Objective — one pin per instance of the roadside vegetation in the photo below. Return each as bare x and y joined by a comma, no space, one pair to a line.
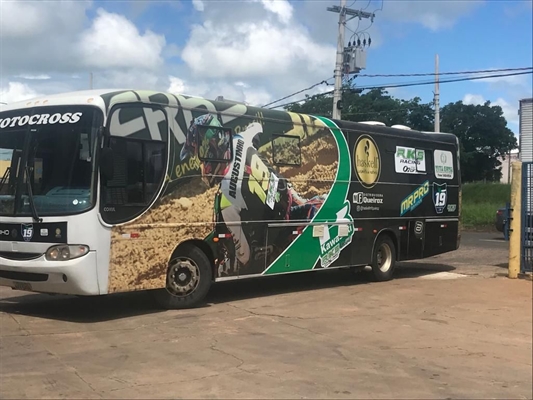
480,203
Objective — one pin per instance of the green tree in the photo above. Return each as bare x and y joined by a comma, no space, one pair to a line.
374,105
483,135
482,129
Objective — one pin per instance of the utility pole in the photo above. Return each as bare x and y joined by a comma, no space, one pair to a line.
343,11
91,80
436,95
337,94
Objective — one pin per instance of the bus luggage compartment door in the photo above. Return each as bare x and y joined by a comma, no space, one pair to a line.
415,246
440,236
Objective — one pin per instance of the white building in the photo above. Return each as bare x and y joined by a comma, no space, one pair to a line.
525,113
525,140
507,172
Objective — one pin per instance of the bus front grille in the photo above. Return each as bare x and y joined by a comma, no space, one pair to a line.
24,276
16,255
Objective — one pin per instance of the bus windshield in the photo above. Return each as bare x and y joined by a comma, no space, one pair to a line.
47,160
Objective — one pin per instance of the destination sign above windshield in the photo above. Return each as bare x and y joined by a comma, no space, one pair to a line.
41,119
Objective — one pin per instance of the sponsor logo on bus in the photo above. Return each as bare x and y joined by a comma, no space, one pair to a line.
336,237
27,231
419,229
408,160
414,199
440,197
367,201
367,161
236,166
443,164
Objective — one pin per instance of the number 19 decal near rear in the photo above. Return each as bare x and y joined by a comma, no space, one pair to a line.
440,197
192,191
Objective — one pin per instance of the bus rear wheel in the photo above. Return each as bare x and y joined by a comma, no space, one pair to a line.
383,259
189,278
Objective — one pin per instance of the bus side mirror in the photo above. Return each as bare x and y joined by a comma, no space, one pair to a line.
106,163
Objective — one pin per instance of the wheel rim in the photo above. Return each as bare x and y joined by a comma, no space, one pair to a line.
183,276
384,257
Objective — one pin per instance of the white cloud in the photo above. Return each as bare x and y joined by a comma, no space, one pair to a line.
23,20
282,8
508,90
515,9
128,78
510,112
171,50
505,81
16,91
253,50
198,5
434,15
38,37
177,85
33,77
238,91
475,99
115,42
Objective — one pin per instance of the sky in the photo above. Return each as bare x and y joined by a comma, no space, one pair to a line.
258,51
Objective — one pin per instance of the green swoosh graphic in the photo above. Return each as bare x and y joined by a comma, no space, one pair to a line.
304,252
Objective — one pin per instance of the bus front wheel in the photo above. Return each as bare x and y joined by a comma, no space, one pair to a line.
189,277
384,258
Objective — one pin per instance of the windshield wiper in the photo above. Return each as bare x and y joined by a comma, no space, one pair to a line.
30,197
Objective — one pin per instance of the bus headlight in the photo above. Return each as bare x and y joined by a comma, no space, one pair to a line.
65,252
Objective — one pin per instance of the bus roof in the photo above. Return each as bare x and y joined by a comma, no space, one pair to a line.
77,97
94,96
97,97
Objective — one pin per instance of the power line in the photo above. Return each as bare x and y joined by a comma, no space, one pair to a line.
406,75
369,1
471,78
298,92
378,9
386,86
446,73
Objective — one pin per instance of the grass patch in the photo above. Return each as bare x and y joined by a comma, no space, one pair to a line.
480,202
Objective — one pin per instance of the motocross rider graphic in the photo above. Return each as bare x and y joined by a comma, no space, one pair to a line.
250,190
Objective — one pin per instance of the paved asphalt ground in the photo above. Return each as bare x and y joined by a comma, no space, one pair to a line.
448,327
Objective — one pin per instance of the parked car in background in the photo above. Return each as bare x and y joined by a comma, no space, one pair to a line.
500,219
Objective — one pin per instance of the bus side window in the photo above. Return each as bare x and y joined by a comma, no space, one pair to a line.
286,150
138,143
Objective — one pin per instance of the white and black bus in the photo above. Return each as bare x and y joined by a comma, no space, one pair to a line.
121,190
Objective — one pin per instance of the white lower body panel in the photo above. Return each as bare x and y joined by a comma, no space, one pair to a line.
78,276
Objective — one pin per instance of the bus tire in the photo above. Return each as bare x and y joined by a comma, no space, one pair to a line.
189,278
383,259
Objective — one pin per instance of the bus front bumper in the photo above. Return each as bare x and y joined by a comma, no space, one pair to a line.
78,276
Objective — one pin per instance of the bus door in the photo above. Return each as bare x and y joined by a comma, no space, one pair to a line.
136,157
